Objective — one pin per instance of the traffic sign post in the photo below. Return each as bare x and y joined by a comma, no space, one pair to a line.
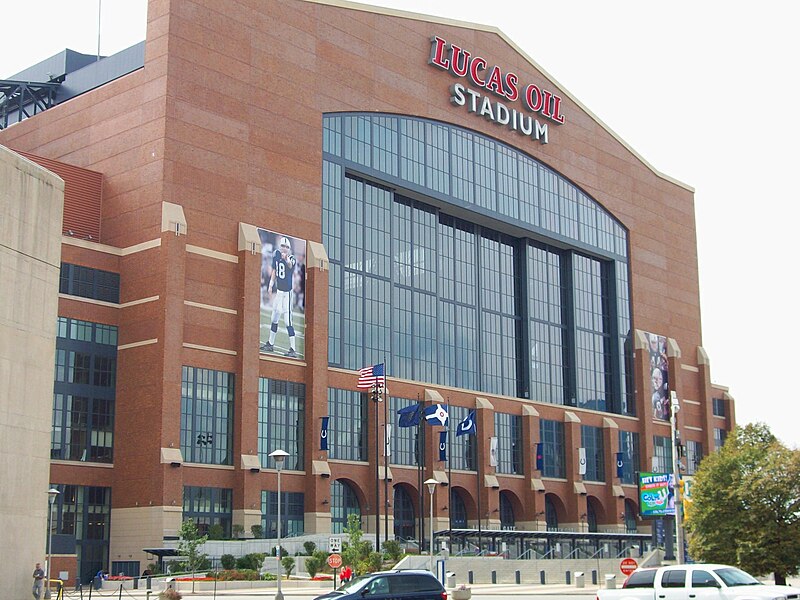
335,561
628,566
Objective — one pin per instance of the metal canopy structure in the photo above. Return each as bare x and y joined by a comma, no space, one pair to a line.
23,99
545,544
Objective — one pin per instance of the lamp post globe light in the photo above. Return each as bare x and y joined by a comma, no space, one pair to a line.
279,456
431,483
52,494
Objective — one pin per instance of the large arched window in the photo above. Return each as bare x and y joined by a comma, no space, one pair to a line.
458,510
344,502
403,515
506,512
550,514
469,264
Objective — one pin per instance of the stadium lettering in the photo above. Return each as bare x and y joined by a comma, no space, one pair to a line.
498,112
463,63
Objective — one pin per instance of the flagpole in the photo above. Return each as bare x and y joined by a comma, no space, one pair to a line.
450,481
386,443
480,535
375,397
421,460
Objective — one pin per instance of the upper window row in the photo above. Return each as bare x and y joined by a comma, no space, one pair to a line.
86,282
455,164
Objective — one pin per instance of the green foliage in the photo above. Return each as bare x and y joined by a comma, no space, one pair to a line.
746,505
216,532
257,531
393,550
374,562
310,548
287,562
189,546
154,570
237,530
252,561
238,575
356,551
228,561
314,565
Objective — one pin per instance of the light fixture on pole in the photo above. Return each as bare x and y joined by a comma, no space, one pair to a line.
674,407
431,483
52,494
279,456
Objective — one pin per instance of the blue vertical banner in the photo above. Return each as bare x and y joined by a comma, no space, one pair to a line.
323,434
620,464
539,456
442,446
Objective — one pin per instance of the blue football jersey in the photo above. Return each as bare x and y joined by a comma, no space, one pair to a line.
283,270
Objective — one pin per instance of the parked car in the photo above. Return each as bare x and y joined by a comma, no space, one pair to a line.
696,582
397,585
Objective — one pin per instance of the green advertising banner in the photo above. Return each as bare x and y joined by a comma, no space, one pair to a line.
656,494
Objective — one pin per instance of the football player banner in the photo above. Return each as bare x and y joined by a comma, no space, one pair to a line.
659,375
283,290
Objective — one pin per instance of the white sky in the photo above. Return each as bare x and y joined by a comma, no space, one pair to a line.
707,92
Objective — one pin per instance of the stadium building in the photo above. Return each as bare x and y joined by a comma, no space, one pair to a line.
261,201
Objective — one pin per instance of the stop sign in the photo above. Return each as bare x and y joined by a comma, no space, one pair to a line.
628,566
335,561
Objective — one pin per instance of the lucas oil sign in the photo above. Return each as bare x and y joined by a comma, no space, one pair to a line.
496,94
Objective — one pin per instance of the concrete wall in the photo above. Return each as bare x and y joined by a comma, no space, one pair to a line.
31,209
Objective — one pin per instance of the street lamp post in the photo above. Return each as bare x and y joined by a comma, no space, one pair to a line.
279,456
674,407
52,494
431,483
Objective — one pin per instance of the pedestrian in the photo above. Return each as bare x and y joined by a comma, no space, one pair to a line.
38,581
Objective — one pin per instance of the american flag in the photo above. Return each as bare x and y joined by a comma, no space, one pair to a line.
369,376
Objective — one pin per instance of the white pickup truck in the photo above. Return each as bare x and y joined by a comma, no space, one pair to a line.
696,582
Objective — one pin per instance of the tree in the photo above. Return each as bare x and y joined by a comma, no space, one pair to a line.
189,546
287,562
746,505
356,550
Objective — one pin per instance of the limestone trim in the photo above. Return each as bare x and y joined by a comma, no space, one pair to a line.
209,349
137,344
208,253
222,309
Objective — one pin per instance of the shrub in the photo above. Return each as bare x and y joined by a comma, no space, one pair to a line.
228,561
287,562
257,531
313,566
393,550
252,561
216,532
237,531
170,595
309,548
239,575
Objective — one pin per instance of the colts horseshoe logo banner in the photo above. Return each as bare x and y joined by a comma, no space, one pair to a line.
323,434
442,446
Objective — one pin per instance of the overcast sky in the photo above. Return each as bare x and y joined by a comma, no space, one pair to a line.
707,92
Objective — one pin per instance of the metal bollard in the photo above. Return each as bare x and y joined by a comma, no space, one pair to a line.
542,577
494,576
469,577
517,577
569,577
594,577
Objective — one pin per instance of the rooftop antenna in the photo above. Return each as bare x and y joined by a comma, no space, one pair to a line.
99,10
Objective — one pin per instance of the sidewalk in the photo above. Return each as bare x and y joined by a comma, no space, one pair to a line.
478,590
